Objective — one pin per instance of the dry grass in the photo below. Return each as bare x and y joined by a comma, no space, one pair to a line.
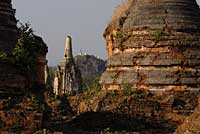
121,10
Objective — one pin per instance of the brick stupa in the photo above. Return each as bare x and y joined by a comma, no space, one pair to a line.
154,45
11,82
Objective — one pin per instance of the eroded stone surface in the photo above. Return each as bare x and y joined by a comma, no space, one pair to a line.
11,81
155,44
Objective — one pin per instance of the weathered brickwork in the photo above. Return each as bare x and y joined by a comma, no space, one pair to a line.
155,46
11,82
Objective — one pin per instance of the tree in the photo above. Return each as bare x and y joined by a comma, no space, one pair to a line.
29,46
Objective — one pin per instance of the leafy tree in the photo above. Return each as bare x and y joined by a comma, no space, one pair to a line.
28,47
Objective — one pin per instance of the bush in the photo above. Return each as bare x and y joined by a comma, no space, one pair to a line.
157,36
139,93
26,51
107,131
44,131
118,36
127,89
96,86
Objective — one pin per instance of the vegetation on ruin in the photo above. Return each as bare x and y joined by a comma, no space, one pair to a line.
118,36
127,89
37,104
157,35
27,49
43,131
107,131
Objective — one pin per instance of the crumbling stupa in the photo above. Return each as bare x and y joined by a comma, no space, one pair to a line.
67,76
11,82
154,45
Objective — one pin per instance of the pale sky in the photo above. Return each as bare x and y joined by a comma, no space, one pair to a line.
84,20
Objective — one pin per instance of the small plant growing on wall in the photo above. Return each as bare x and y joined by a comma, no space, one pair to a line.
3,56
118,36
157,35
139,93
44,131
127,89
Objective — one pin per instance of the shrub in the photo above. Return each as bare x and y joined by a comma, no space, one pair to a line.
139,93
26,51
118,36
96,85
44,131
3,56
127,89
107,131
37,104
157,36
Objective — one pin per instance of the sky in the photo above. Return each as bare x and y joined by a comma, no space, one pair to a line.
84,20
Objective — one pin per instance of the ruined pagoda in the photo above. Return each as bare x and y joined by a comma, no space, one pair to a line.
11,82
67,76
154,45
8,29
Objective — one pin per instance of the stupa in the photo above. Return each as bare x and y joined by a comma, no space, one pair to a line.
11,82
154,45
68,78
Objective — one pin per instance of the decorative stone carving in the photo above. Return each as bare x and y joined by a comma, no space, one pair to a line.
67,76
155,46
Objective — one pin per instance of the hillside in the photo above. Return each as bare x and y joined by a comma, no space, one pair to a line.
90,66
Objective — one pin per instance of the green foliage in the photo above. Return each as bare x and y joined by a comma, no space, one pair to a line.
54,98
127,89
44,131
93,85
37,104
3,56
118,36
157,36
107,131
96,85
88,102
28,47
139,93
